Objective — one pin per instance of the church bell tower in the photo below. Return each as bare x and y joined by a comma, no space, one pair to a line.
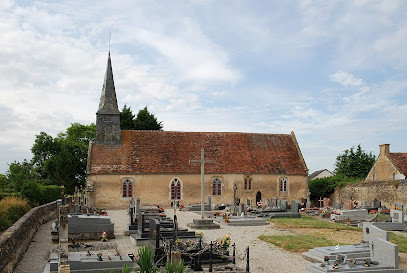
108,115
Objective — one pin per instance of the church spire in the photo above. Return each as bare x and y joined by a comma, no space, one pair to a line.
108,115
108,100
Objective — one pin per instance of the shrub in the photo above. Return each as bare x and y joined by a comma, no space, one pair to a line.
33,192
12,209
51,193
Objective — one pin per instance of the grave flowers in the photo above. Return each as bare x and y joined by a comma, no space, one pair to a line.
221,245
104,237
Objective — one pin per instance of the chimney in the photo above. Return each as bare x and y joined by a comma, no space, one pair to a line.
385,149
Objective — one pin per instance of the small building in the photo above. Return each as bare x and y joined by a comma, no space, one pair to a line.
155,165
320,174
388,166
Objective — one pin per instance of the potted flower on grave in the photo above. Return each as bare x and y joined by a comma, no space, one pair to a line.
103,238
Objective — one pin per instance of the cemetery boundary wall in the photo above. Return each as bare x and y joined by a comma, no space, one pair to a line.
16,239
388,192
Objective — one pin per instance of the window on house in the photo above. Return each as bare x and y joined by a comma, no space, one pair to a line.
248,182
217,186
283,184
175,189
127,188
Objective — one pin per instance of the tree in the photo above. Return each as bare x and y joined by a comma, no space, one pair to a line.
127,119
354,163
3,182
147,121
62,160
20,173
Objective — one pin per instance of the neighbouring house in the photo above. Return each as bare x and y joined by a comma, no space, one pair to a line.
155,165
320,174
388,166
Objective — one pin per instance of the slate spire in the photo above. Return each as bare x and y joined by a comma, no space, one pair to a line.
108,100
108,115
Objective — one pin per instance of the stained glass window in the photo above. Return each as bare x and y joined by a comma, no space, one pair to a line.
127,188
217,186
283,184
175,189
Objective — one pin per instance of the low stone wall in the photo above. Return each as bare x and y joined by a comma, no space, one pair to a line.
16,239
387,192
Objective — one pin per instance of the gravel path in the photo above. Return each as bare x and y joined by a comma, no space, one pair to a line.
37,254
264,257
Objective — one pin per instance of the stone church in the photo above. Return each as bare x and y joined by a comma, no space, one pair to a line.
155,165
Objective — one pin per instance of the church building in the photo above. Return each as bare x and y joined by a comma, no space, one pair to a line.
155,165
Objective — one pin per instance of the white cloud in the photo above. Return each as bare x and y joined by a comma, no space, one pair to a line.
346,79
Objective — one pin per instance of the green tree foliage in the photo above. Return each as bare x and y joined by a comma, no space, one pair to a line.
62,160
3,182
144,120
147,121
40,194
354,163
20,173
323,187
127,119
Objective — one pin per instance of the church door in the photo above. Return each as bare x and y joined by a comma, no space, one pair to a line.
258,197
175,189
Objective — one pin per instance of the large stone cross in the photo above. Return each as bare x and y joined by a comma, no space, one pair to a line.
202,162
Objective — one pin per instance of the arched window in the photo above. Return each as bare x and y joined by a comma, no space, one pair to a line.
127,188
248,183
217,186
175,189
283,184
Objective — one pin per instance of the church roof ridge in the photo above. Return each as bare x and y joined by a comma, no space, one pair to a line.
207,132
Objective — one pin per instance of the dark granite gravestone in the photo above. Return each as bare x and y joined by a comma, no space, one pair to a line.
377,204
295,206
284,205
154,234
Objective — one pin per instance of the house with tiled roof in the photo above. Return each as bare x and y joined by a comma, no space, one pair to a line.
155,165
388,166
320,174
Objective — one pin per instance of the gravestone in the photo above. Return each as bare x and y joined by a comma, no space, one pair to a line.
241,208
351,215
337,205
266,202
154,234
284,205
368,204
278,204
295,206
326,202
377,204
209,202
273,202
348,204
397,216
383,251
399,206
137,206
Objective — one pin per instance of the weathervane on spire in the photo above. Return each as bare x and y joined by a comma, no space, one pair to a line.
110,36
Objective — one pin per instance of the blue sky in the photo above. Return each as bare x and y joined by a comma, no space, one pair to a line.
334,72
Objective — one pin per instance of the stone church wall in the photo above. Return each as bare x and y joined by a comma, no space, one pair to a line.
388,192
155,188
16,239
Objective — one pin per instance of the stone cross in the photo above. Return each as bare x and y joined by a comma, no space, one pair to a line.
202,162
234,207
320,201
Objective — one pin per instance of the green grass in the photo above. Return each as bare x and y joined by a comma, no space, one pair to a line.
310,222
382,216
297,243
399,240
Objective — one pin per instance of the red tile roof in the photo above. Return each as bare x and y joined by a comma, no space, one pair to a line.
400,160
170,152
